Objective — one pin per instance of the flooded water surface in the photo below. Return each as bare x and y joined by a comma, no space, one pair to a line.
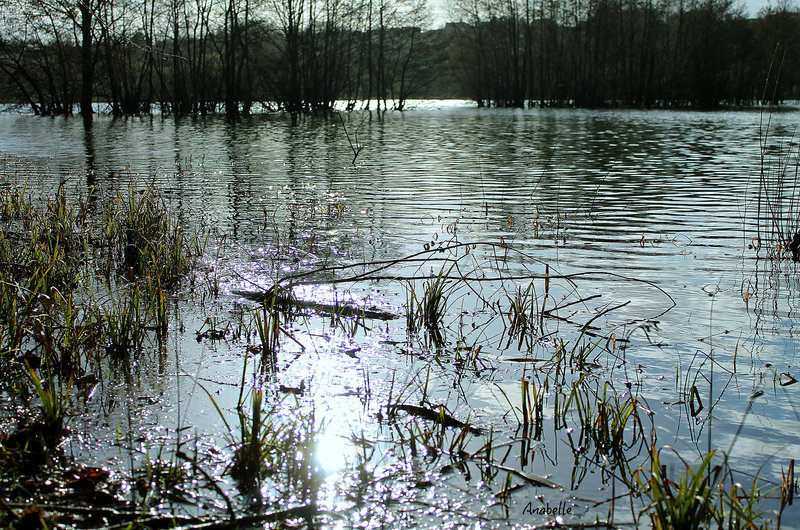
499,315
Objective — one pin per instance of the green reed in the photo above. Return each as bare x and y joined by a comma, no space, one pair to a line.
521,318
54,401
149,239
707,495
686,503
427,310
123,320
76,276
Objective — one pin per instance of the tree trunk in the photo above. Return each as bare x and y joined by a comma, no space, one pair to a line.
87,60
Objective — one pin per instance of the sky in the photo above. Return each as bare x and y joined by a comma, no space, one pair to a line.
753,6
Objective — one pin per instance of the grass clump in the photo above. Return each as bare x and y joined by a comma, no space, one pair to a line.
521,320
263,445
78,287
686,503
427,310
123,322
147,240
54,398
253,448
273,309
84,286
709,495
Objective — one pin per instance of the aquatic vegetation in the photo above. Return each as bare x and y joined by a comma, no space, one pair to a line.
707,495
15,203
686,503
532,409
266,444
148,240
159,479
156,305
55,309
54,398
123,321
267,320
522,317
69,332
428,310
16,306
253,450
777,203
611,429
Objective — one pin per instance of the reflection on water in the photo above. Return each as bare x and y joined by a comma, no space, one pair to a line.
653,210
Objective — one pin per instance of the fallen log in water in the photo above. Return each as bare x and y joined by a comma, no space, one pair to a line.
439,417
343,309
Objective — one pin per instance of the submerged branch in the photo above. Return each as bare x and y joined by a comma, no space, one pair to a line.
440,417
377,272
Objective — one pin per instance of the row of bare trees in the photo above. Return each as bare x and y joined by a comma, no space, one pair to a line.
626,52
201,56
198,56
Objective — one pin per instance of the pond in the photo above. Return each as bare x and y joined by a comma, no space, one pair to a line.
603,293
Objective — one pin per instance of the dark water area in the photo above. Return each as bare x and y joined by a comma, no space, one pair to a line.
652,213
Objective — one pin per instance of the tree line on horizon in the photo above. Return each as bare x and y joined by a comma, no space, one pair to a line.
641,53
232,56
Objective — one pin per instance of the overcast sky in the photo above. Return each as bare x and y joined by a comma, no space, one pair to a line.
753,6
